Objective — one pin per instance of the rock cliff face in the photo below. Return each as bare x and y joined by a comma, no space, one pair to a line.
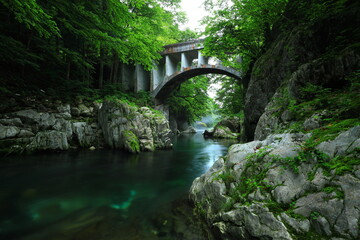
325,72
66,126
303,183
56,129
308,54
274,189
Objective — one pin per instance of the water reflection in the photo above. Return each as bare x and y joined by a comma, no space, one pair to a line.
38,192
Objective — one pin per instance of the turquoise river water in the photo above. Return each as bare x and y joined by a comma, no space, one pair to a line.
102,194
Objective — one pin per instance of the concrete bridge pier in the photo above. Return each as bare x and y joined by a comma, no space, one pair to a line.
202,60
142,80
157,75
170,66
186,61
127,76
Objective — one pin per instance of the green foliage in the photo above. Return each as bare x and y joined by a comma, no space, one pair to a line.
190,101
314,215
227,177
341,164
60,42
33,16
240,28
229,96
336,190
199,209
253,177
132,142
314,11
343,103
330,131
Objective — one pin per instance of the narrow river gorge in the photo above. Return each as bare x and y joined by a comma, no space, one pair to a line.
103,194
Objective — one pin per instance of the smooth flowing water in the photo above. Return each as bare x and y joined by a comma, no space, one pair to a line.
103,194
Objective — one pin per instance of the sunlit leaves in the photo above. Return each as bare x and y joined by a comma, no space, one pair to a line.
33,16
190,101
240,27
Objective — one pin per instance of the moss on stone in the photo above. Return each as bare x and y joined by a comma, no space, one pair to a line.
131,141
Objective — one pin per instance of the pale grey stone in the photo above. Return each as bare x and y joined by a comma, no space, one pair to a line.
84,133
65,126
224,132
47,121
152,130
84,110
348,221
354,146
336,216
320,180
300,226
258,221
11,122
314,121
357,173
287,116
8,131
321,225
341,144
25,133
28,116
189,130
64,111
259,196
267,122
290,185
323,203
49,140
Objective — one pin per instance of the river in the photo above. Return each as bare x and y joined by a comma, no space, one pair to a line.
102,194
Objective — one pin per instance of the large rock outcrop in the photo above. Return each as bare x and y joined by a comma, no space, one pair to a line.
274,189
132,128
227,128
306,52
55,129
327,72
65,126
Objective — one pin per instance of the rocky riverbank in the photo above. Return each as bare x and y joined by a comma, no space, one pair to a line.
300,178
115,124
279,189
229,128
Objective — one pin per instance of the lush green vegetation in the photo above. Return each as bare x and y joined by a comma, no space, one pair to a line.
240,28
72,46
190,101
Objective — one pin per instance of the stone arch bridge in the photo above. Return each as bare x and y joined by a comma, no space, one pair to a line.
180,62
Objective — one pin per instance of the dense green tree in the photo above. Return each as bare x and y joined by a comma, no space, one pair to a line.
190,101
240,28
79,42
229,95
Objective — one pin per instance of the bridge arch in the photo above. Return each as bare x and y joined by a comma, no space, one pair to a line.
164,89
181,62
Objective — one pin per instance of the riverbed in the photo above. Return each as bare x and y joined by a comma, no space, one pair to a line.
103,194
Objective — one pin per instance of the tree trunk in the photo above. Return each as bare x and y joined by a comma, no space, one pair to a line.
68,70
116,70
101,70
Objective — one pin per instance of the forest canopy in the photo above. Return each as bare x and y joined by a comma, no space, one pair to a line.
82,42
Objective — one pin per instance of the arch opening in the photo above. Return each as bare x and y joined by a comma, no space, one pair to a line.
163,90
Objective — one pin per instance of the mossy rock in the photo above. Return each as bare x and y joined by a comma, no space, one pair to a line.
131,142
